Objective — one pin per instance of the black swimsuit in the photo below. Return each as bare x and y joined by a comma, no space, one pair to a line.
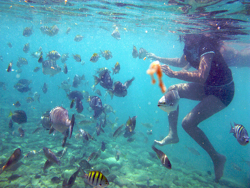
219,81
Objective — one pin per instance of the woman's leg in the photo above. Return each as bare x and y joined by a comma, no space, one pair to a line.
205,109
191,91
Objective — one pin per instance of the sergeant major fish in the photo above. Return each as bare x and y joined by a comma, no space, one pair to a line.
240,133
117,68
169,102
163,157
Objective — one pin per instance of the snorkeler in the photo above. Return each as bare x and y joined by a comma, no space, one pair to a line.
211,84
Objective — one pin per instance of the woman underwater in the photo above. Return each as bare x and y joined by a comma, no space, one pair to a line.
211,84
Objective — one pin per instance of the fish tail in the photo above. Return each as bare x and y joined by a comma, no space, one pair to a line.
232,129
72,125
97,80
113,70
111,93
10,114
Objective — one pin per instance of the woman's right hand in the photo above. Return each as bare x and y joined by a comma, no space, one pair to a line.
153,56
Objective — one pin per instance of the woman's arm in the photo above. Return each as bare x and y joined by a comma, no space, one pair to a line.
198,76
176,62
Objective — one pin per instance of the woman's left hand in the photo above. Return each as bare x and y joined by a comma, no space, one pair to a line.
166,69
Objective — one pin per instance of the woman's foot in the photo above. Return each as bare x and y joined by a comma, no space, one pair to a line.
170,139
219,162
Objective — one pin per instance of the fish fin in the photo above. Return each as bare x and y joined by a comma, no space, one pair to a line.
10,114
97,80
64,142
51,130
72,125
110,92
232,129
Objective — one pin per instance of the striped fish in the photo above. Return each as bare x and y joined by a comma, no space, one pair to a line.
240,133
97,179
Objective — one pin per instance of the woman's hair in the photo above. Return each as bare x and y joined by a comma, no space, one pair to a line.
214,40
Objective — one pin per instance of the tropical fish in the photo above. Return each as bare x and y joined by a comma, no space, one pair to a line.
68,30
95,103
9,67
72,179
103,146
134,52
96,179
29,100
116,34
129,82
26,48
19,116
75,94
60,121
193,151
142,53
9,44
50,67
106,54
22,85
36,69
21,131
13,177
51,156
14,158
163,157
85,135
37,97
27,31
94,155
118,90
117,68
77,57
64,57
98,92
118,131
21,61
53,55
240,133
77,80
79,106
147,125
17,104
94,58
78,38
47,164
169,102
104,79
130,127
40,60
65,69
45,88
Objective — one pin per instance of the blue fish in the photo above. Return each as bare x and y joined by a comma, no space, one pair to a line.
240,133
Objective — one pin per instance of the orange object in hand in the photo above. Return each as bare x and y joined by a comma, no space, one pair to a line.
155,67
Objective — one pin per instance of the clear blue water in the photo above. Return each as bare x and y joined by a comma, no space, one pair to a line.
152,25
